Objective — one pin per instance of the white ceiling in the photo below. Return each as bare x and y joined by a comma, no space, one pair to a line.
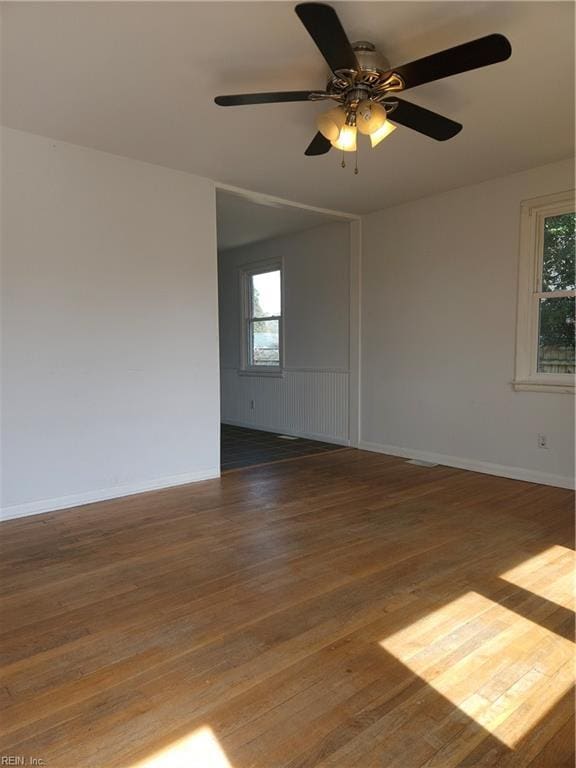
138,79
242,220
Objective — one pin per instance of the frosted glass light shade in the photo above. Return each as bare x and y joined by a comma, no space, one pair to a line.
346,140
370,117
381,133
330,123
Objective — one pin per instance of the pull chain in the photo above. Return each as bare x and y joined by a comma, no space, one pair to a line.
343,163
356,162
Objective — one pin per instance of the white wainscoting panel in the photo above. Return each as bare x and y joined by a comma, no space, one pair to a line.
308,403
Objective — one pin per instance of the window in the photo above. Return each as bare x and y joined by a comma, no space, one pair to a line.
262,314
545,326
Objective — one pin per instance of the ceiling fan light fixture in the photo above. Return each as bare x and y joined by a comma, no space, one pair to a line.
330,123
370,117
385,130
346,140
361,78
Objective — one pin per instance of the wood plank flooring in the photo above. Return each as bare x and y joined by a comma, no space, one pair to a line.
344,610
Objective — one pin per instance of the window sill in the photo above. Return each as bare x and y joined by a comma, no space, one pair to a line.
265,372
532,385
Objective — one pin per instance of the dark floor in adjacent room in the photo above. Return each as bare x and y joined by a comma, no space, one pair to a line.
241,447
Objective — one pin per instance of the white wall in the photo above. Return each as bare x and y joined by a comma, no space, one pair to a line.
312,396
109,324
439,282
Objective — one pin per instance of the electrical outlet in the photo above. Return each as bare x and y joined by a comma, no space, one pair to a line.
542,440
251,405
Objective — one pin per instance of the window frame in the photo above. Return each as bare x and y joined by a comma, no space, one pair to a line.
533,213
246,274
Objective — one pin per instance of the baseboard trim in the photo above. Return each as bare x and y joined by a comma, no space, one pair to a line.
485,467
105,494
287,431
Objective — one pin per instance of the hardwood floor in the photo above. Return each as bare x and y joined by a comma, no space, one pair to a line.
345,610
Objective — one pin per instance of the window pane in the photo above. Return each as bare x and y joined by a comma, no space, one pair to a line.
559,245
556,335
266,294
265,338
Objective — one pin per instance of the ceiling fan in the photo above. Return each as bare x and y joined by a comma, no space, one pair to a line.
365,86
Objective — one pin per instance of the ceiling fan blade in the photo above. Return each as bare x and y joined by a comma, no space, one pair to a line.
239,99
318,146
324,27
477,53
424,121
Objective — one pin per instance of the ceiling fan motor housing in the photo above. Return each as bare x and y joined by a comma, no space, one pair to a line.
372,78
369,59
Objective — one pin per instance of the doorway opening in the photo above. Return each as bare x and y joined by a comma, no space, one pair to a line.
286,321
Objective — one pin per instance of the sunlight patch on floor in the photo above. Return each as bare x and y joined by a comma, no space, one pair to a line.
200,749
502,670
551,560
